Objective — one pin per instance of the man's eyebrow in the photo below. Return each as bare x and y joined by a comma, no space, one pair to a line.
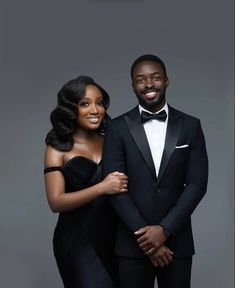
141,75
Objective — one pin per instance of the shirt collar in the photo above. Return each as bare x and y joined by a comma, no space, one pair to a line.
165,107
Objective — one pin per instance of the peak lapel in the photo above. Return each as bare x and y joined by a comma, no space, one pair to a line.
172,136
137,131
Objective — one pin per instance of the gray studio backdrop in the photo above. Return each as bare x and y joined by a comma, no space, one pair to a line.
45,43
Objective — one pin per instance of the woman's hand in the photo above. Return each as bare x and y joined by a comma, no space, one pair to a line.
115,182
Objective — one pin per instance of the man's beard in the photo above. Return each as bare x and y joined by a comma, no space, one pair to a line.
151,104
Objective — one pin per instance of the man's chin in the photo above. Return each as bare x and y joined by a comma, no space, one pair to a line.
152,105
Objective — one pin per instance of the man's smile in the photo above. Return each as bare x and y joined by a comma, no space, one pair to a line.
151,94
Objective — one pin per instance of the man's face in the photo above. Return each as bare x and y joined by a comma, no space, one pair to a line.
149,84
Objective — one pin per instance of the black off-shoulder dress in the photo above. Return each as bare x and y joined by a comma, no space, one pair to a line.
84,237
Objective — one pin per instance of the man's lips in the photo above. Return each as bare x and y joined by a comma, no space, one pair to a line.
151,94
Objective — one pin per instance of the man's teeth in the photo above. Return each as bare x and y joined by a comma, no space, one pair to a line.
150,93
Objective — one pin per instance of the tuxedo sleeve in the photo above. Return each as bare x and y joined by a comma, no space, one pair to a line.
194,187
114,160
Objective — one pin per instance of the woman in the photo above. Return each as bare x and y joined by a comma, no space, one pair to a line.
84,232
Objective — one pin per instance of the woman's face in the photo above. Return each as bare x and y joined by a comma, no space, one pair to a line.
91,109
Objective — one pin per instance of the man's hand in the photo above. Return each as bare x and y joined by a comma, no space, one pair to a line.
150,238
162,257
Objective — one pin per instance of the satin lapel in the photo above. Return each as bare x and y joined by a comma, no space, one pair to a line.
137,131
172,136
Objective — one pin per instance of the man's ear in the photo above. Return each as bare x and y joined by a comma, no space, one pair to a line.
132,85
167,81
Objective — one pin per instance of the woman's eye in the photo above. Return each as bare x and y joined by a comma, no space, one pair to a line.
83,104
101,103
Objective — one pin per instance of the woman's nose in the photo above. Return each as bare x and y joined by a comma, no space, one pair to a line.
94,109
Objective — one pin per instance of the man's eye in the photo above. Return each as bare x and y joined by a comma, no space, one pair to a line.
138,81
156,78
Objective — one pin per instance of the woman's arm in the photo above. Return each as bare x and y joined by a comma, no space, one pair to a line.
60,201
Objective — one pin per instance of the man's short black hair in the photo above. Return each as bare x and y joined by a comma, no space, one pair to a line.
147,57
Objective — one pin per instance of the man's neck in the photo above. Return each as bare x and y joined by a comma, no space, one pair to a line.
163,107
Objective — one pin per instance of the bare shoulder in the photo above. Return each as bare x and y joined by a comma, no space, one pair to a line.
53,157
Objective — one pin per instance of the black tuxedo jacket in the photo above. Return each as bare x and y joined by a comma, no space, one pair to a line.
167,200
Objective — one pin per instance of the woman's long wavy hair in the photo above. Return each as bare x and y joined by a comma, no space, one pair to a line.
64,116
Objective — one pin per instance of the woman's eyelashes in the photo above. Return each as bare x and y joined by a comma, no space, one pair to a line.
87,104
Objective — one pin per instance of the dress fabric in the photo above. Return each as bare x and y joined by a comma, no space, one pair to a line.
83,239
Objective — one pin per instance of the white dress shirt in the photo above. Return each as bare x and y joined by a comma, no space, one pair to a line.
156,134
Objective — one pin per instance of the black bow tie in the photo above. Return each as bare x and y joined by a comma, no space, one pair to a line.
145,116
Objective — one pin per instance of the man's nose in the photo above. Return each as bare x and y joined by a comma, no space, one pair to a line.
149,82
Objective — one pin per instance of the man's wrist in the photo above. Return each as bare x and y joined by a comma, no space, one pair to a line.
166,232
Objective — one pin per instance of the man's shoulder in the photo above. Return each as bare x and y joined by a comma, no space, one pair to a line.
185,116
121,118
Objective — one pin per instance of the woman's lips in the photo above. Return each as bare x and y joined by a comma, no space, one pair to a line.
94,120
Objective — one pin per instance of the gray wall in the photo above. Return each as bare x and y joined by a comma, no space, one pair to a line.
46,43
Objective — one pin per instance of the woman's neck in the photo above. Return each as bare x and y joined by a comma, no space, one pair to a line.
85,135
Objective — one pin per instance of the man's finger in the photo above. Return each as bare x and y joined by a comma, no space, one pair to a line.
169,257
155,263
150,251
145,246
165,260
141,239
160,263
141,231
169,251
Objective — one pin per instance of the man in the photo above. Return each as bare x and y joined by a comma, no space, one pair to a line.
163,153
